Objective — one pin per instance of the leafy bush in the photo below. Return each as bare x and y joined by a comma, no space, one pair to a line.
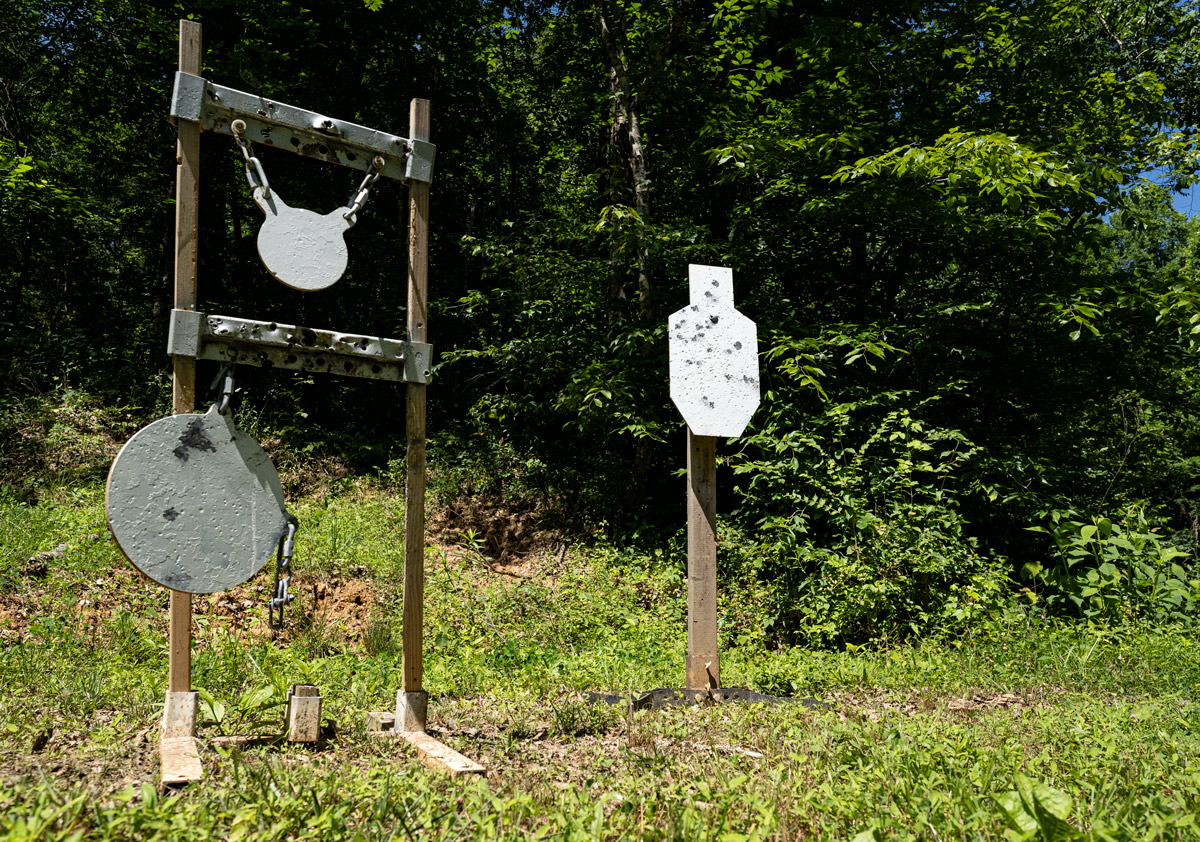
1114,571
863,535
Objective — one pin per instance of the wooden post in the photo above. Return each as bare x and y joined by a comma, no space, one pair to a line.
183,391
411,701
303,714
703,660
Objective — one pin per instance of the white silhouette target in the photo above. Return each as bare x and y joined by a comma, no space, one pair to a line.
305,250
713,357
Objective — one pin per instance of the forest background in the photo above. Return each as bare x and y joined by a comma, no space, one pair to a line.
977,319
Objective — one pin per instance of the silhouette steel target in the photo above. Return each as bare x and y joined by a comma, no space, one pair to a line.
305,250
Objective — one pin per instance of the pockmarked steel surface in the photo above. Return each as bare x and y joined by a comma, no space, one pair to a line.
195,503
232,340
713,356
305,250
299,130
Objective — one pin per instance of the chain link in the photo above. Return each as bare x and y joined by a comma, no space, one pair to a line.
364,190
283,574
254,168
225,379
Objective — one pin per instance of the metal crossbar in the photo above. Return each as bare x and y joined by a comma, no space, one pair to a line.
270,344
299,130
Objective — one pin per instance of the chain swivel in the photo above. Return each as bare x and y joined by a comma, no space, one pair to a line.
224,380
364,190
254,168
283,574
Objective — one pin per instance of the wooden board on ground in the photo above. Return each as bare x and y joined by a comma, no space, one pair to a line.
180,760
437,755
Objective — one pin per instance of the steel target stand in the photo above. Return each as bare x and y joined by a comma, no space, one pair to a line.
199,105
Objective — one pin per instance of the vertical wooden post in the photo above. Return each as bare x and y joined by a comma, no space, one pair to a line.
411,698
183,391
703,660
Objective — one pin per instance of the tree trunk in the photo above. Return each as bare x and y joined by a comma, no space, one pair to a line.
627,147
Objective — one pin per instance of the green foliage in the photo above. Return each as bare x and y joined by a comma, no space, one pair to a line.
1037,811
860,503
1120,571
962,182
1018,728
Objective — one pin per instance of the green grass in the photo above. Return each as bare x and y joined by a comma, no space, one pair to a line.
1021,730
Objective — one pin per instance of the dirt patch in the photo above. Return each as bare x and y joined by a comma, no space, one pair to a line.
341,607
501,531
873,707
992,701
73,757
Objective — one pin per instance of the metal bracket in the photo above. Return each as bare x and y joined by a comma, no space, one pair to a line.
298,130
248,342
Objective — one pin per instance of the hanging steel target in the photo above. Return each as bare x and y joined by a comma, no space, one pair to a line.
195,503
304,250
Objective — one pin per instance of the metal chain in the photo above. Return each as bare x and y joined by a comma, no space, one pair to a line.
254,168
283,574
224,379
364,190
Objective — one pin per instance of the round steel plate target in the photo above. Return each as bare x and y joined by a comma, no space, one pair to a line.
195,503
305,250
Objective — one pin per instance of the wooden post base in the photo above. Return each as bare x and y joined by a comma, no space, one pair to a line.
303,714
179,714
411,709
437,755
179,760
381,724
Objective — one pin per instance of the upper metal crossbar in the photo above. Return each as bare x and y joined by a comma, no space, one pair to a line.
299,130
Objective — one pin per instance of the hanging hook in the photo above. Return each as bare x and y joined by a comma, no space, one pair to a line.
254,169
364,189
283,575
226,374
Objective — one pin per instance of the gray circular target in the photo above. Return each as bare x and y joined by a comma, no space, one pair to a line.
195,503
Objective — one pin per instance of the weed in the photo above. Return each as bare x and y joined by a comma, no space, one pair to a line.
1081,729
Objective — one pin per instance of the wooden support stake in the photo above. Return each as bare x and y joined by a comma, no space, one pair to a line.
304,714
703,660
440,756
180,760
183,391
414,503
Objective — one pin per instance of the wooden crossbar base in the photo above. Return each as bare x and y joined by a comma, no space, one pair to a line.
437,755
180,760
433,753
